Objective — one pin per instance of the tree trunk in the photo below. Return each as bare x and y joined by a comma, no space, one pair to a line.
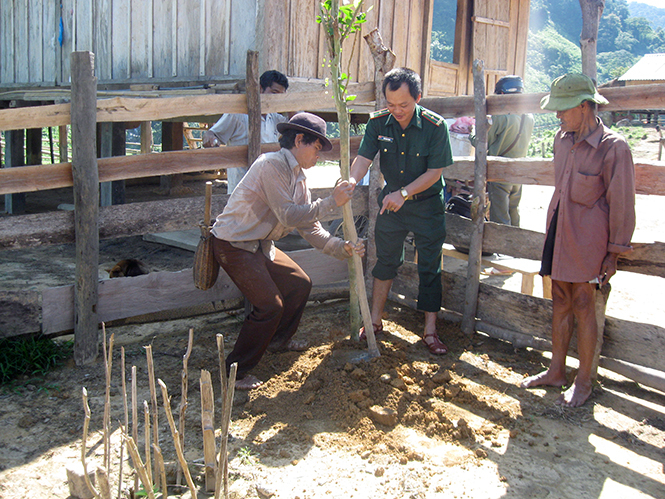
591,12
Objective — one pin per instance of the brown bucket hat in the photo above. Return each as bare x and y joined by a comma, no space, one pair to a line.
308,123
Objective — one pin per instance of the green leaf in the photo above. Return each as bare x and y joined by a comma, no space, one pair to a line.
350,98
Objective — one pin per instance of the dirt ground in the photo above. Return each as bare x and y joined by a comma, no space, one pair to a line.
328,424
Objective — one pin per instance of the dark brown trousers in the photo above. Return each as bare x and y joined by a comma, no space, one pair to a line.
278,291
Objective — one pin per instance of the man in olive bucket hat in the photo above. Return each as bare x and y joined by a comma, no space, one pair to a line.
590,221
269,202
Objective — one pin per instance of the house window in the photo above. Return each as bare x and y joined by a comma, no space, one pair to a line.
443,30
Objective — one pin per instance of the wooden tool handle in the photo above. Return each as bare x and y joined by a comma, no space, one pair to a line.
207,215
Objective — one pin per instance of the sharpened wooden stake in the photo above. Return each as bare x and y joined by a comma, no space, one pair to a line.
159,463
153,401
86,423
108,362
126,412
222,365
222,478
135,419
208,427
146,418
176,439
183,398
133,451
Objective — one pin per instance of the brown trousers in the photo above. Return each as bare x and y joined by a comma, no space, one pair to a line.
278,291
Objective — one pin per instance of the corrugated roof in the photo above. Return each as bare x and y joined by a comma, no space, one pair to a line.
650,67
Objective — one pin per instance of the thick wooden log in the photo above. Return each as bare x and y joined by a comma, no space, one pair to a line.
132,296
39,178
86,203
478,204
131,219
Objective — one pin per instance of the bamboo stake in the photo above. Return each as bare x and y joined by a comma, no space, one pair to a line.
208,427
103,483
86,423
140,467
176,438
135,417
126,412
148,464
108,363
153,400
222,477
183,398
159,463
222,366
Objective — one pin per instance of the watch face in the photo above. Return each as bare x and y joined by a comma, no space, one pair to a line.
404,193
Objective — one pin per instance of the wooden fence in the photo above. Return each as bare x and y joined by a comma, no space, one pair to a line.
630,348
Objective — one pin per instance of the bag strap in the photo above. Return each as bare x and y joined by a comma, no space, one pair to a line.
519,133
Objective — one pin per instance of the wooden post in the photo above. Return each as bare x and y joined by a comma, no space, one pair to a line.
478,204
253,94
86,206
62,143
105,150
14,156
118,148
146,137
384,61
172,140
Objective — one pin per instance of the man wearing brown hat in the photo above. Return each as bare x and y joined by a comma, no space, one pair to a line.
590,221
269,202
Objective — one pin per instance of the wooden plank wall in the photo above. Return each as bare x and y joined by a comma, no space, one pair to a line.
142,39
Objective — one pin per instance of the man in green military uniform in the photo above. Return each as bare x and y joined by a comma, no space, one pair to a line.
414,148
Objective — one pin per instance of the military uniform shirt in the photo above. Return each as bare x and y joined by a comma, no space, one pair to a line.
407,154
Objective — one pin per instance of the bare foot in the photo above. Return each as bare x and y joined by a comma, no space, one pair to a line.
545,378
249,382
576,395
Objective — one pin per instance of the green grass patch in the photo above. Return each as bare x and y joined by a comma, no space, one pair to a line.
33,356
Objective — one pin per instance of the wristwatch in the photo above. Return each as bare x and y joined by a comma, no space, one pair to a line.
404,193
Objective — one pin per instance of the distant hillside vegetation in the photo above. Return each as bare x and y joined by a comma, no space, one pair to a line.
655,15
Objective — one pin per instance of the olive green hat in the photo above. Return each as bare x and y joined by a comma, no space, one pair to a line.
569,91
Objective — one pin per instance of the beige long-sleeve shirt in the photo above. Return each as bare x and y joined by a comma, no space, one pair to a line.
271,200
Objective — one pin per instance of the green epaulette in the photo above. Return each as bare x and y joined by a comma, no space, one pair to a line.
432,117
379,113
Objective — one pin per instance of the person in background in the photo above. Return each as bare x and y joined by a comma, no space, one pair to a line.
590,221
414,148
232,129
268,204
508,136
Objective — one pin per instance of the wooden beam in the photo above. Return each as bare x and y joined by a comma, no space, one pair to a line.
131,219
31,179
86,203
155,109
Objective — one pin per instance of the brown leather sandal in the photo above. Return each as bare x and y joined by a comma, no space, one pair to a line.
378,329
434,344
